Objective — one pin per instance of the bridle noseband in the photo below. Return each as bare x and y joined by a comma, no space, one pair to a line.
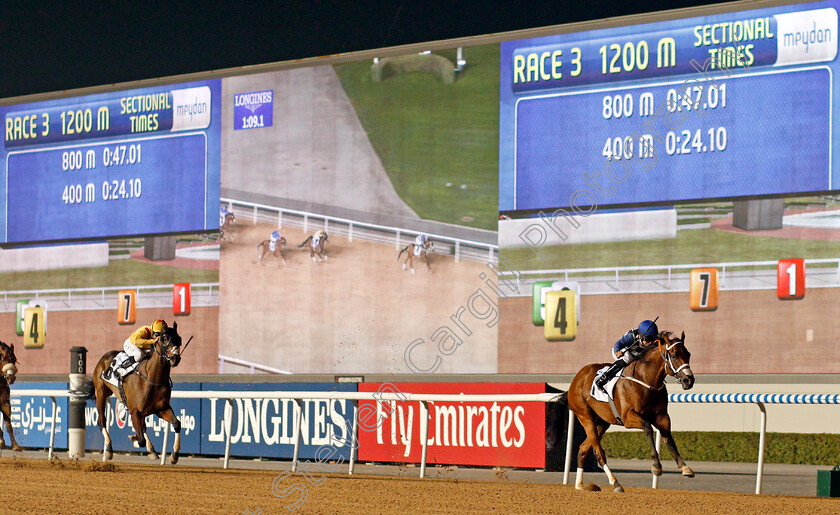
667,357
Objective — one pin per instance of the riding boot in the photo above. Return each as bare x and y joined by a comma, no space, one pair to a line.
121,391
609,373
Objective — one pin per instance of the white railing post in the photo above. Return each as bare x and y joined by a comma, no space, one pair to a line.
761,441
228,429
490,254
457,250
252,369
165,441
299,413
722,276
255,215
279,219
52,429
397,242
424,436
658,447
326,225
351,233
570,433
353,439
305,223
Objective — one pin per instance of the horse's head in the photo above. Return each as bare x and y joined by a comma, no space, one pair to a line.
282,241
676,358
168,345
7,361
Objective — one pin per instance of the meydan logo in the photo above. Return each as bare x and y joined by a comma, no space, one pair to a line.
253,101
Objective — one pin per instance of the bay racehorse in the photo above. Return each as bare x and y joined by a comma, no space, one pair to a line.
640,399
265,246
316,247
9,371
226,227
423,255
147,392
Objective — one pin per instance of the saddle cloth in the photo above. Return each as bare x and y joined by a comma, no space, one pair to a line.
118,360
272,245
596,392
222,220
315,241
417,250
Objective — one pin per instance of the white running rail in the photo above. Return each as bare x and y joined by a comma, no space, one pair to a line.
252,366
460,248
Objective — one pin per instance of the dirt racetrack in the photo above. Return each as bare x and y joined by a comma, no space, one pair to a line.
39,486
356,312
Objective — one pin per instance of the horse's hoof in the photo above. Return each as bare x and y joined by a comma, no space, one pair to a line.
154,456
412,271
656,471
173,458
17,448
107,456
686,471
588,487
617,488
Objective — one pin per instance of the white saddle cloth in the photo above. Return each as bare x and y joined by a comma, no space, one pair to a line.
272,245
417,250
596,392
118,360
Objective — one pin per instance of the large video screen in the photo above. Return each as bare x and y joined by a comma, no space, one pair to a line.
125,163
723,106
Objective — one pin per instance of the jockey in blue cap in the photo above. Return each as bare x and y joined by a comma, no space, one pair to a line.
630,347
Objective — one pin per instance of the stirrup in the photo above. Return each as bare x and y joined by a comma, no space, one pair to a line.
121,391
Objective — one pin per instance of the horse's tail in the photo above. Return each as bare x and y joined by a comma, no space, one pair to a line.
85,389
563,397
304,241
401,252
260,244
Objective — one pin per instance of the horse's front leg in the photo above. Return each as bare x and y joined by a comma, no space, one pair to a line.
633,420
6,408
170,417
663,424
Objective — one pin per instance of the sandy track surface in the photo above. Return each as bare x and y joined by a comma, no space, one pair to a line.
38,486
357,312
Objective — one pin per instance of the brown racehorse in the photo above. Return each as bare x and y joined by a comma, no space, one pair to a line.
424,255
316,250
265,246
9,370
227,227
641,400
147,391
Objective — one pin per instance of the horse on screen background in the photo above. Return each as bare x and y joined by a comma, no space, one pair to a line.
227,227
316,249
147,391
265,246
9,371
640,399
423,256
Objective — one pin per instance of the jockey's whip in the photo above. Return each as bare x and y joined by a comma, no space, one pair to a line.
185,346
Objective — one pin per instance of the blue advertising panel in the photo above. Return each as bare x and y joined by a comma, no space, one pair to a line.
136,162
265,427
32,417
722,106
120,426
253,110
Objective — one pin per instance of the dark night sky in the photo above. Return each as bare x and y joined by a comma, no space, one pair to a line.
67,45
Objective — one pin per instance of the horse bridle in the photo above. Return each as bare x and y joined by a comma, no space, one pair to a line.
667,357
164,347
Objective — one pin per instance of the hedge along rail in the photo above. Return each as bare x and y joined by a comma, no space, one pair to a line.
480,251
759,399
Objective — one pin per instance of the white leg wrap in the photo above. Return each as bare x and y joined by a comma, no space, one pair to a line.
609,473
177,446
579,477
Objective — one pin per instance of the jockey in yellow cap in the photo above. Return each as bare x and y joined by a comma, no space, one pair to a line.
138,344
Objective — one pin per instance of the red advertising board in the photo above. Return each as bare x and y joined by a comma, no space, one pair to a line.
509,434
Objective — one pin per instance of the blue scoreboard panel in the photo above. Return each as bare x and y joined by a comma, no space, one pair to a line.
125,163
725,106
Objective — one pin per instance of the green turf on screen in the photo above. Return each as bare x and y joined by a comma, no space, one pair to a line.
428,134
